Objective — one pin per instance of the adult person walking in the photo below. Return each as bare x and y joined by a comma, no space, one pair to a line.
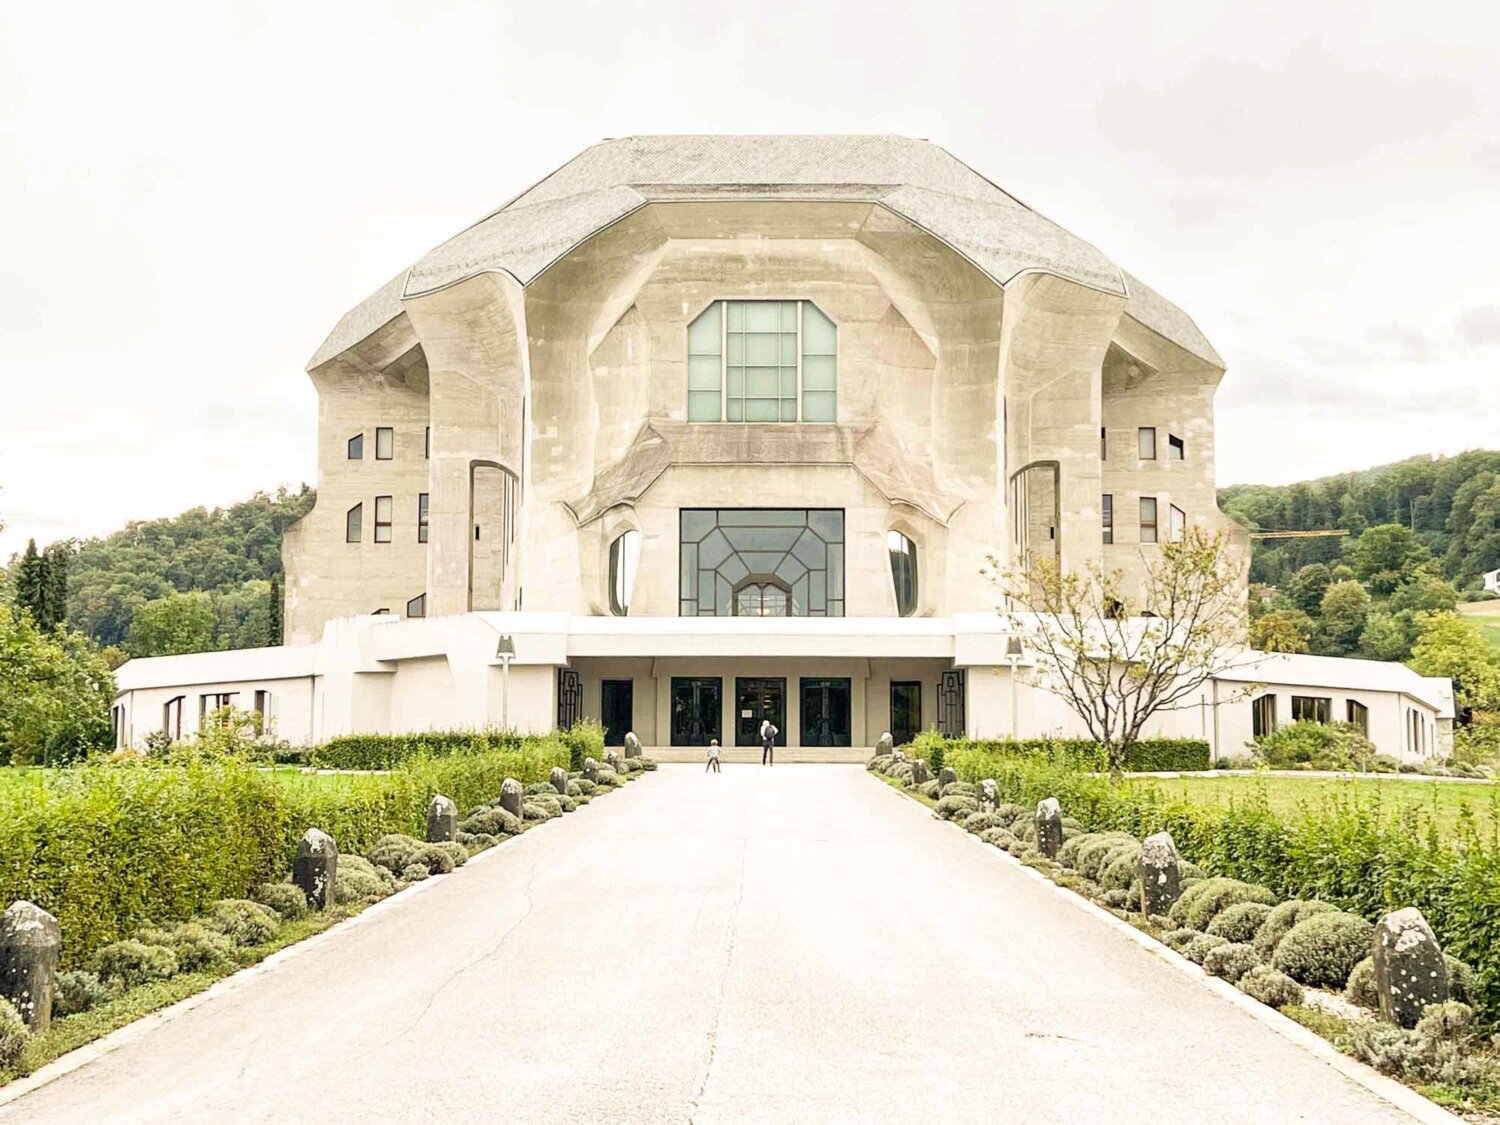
768,733
713,756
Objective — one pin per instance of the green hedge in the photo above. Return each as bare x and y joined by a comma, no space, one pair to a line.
1343,849
387,751
1148,755
108,849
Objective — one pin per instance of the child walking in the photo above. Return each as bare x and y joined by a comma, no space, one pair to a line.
713,756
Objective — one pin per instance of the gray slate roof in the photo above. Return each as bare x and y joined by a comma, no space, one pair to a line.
917,180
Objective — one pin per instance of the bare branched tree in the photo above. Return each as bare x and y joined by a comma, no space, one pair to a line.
1118,654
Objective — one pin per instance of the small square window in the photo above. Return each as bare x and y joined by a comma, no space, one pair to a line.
1146,443
382,519
354,520
357,447
385,443
1176,448
1148,519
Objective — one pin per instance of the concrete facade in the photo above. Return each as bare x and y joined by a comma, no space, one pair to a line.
529,404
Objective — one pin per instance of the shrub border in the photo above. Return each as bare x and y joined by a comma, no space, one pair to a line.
1387,1089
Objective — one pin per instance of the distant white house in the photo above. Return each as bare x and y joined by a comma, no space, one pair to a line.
1492,581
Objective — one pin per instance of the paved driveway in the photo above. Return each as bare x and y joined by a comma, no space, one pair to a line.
795,944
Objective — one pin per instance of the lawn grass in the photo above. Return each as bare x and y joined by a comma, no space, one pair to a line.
1442,800
1486,615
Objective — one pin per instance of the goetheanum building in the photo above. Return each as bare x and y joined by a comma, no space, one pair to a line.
701,430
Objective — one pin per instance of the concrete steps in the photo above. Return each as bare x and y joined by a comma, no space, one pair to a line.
750,755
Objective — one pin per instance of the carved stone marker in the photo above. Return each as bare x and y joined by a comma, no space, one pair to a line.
1048,818
591,770
316,868
885,744
559,779
989,795
511,796
612,760
30,941
632,745
442,820
1409,968
897,756
919,773
946,776
1161,874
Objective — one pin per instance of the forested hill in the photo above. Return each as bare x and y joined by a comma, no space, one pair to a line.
200,580
1451,503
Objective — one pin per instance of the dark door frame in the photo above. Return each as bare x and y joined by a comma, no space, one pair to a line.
751,737
896,735
611,736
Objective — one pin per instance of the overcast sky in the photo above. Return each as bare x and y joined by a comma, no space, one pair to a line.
192,194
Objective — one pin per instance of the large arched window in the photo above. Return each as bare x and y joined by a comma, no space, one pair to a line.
903,571
624,552
762,361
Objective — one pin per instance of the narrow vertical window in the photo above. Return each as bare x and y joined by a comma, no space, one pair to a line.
417,607
382,519
422,517
1263,716
354,520
357,447
1108,514
1359,716
903,554
427,443
385,443
1103,444
1146,442
705,375
624,554
820,346
1176,448
1148,519
1177,523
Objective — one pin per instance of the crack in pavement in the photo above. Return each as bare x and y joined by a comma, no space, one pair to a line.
713,1027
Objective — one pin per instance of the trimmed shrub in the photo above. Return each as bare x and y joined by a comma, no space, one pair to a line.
977,822
437,858
490,821
1121,867
287,899
197,947
608,778
960,789
1213,896
1453,1021
1360,987
391,751
1231,961
1198,948
1240,922
549,801
879,763
415,873
1280,921
1322,951
78,990
359,880
1461,980
532,810
395,851
951,808
1115,899
1010,813
1178,939
133,963
929,789
13,1033
999,837
455,851
582,787
1091,856
1271,987
245,922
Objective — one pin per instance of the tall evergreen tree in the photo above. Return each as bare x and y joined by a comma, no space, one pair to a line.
275,610
55,585
31,583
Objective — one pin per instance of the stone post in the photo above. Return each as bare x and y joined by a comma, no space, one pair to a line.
559,779
1161,874
632,745
946,777
989,795
612,760
511,796
30,941
1409,969
591,770
1048,818
316,868
442,820
919,773
885,745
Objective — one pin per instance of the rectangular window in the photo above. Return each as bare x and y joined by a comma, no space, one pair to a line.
1108,511
705,374
382,519
1103,444
1146,443
427,443
1311,709
385,443
354,520
357,447
761,562
762,361
212,702
825,703
1263,716
171,717
1176,448
1358,716
1177,523
1148,519
417,607
422,517
117,725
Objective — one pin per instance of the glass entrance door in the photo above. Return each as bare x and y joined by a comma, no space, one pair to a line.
697,709
616,710
757,698
906,710
825,711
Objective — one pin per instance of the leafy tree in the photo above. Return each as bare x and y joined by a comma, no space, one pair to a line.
1474,523
1282,630
1386,555
1448,645
176,623
1386,637
1344,611
55,693
274,611
1424,593
1307,587
1113,667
